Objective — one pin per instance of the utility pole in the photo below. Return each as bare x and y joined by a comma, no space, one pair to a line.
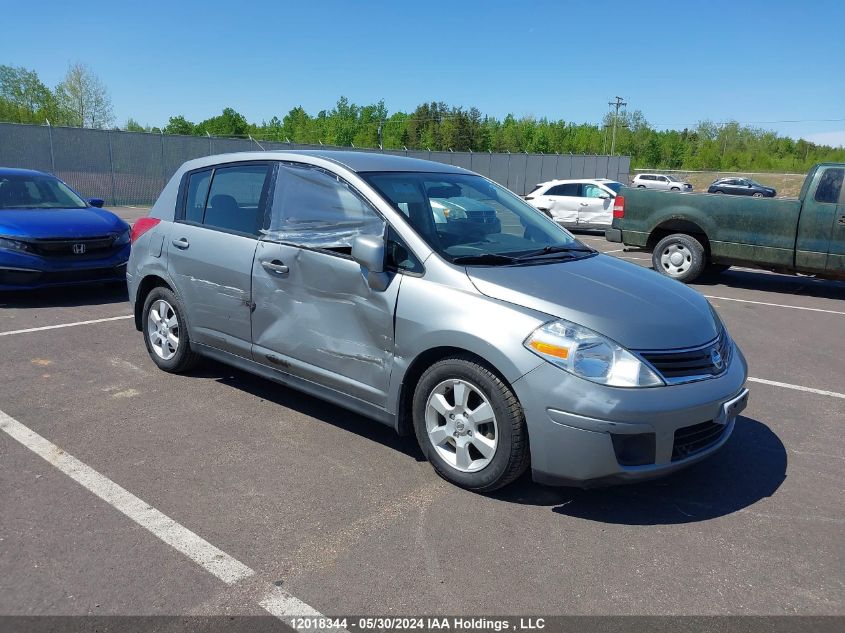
617,103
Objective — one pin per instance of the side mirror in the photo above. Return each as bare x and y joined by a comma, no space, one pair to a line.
604,196
369,252
96,202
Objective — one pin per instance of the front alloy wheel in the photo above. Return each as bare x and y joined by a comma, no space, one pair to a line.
461,425
470,424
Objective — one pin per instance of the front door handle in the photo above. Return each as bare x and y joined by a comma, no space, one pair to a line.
276,267
181,243
584,204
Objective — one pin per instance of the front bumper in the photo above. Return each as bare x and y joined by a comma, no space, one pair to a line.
24,271
578,430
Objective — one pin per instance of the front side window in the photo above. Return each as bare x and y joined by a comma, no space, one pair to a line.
37,191
469,220
314,208
830,186
235,199
594,191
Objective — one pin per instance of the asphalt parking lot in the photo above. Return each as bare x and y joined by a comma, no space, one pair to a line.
321,506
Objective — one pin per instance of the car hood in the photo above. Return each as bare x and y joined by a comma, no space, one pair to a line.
638,308
59,223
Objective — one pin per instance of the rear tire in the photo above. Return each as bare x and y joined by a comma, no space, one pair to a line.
470,425
679,256
166,333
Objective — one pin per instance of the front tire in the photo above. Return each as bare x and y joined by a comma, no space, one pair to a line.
470,425
757,195
679,256
165,332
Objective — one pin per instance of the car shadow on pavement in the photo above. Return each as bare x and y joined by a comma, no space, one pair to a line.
309,405
65,296
750,467
767,282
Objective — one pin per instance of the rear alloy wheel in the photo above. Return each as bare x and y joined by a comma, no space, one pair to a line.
470,425
165,334
680,257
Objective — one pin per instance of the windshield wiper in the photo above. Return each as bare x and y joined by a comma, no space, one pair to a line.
487,258
556,250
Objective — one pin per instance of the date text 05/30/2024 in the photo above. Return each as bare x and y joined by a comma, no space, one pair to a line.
428,623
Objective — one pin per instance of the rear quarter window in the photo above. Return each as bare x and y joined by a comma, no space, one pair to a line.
830,186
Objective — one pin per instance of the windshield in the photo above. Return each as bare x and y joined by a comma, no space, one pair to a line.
37,191
614,186
470,220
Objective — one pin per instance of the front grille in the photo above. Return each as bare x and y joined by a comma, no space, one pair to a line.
690,440
93,247
679,366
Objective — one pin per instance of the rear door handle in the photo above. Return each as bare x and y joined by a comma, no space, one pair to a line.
584,204
276,267
181,243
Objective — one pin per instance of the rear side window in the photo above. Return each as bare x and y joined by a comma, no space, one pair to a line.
235,197
569,189
594,191
830,186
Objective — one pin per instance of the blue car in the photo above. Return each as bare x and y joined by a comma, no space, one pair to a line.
50,236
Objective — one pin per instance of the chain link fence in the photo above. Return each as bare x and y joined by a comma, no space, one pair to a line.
131,168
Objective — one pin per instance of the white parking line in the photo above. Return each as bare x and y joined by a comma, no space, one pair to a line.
786,385
274,600
776,305
61,325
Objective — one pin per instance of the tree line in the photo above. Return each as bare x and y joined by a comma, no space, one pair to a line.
82,100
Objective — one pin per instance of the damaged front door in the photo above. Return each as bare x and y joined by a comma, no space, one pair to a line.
315,315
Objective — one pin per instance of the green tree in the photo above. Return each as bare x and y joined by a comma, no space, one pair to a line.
180,125
83,100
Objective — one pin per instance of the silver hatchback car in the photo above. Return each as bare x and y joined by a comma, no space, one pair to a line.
437,302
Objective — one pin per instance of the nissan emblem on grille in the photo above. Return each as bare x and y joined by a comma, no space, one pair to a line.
79,249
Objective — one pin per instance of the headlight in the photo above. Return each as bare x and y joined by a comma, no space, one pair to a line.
588,354
122,239
14,245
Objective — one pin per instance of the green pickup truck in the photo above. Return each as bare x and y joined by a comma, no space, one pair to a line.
693,234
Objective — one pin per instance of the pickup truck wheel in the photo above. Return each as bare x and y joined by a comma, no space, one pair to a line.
680,257
470,425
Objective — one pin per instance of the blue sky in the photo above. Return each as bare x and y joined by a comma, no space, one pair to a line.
678,62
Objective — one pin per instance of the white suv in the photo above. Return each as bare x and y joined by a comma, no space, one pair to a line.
585,203
661,182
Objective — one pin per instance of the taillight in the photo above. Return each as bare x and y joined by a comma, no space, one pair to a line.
619,207
142,226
